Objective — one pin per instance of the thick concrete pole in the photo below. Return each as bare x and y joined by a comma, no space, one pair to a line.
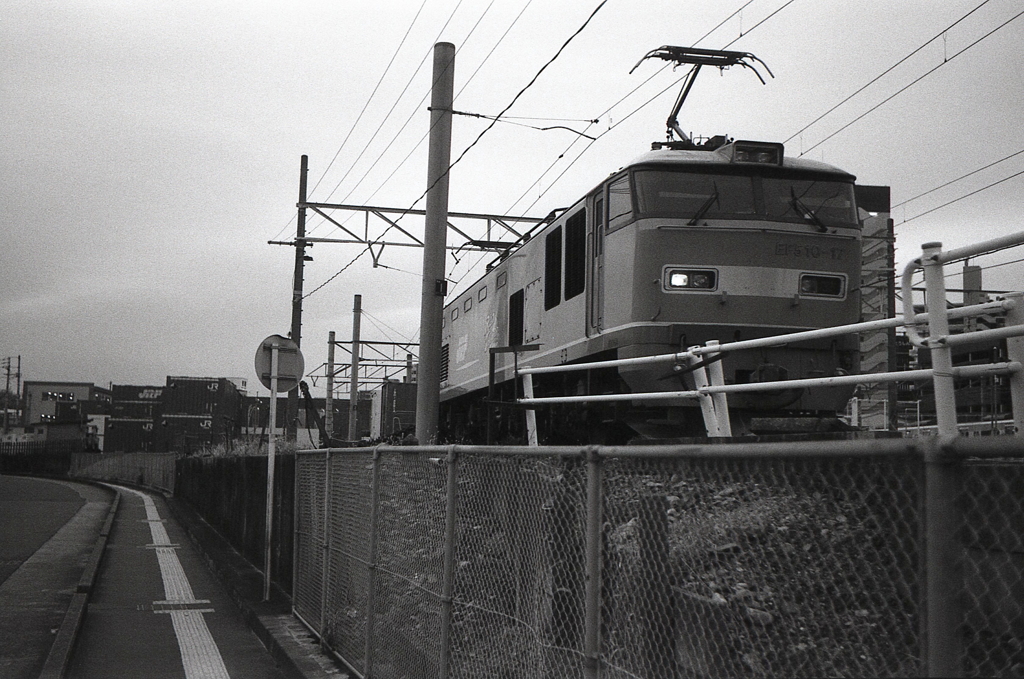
353,402
428,393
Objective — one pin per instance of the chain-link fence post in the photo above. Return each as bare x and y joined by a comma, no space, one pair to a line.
592,613
325,545
449,561
943,579
371,594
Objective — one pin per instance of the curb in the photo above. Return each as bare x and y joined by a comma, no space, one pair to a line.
59,657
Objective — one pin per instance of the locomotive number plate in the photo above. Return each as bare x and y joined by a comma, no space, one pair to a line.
831,253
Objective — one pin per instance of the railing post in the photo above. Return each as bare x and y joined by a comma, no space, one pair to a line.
592,586
371,594
707,404
938,331
325,545
447,584
716,375
531,414
1015,352
944,583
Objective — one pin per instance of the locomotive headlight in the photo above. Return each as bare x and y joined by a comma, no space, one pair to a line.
821,286
757,152
690,279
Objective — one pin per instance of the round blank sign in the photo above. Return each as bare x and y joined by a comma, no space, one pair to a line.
290,364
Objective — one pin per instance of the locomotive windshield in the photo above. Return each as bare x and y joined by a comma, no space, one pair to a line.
822,202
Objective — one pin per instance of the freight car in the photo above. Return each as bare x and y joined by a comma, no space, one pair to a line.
720,240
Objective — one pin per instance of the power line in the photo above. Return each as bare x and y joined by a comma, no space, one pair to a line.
393,107
911,84
361,253
886,72
953,181
372,94
401,164
966,195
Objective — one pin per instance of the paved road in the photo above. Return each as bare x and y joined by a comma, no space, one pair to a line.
157,611
47,531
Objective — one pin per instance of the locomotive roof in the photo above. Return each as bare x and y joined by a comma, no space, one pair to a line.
722,156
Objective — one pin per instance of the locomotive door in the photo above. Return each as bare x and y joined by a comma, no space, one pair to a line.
595,291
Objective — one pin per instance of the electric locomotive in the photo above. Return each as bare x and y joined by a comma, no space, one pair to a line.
722,240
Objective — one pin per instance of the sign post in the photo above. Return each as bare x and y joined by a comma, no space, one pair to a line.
279,366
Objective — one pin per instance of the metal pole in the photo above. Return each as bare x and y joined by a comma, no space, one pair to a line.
1015,352
592,586
291,421
448,574
329,401
353,396
428,393
271,450
938,327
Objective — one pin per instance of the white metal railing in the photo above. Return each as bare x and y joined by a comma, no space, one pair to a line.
712,391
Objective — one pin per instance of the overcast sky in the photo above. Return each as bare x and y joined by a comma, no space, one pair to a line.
151,150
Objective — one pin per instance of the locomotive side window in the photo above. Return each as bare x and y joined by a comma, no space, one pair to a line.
620,203
516,310
502,280
553,269
482,295
575,254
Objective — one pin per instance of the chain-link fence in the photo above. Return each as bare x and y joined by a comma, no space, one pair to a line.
871,558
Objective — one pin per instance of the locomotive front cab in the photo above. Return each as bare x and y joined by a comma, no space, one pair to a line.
731,244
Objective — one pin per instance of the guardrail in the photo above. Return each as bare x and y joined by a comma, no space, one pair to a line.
846,558
712,391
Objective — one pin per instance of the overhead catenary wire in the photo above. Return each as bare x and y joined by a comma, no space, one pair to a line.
953,181
885,72
912,83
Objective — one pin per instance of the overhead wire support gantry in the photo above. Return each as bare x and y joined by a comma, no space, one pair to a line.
497,227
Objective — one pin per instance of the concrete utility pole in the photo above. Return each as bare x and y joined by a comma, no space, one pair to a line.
353,402
329,402
435,236
292,407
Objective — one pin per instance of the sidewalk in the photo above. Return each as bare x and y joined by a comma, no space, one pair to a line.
157,610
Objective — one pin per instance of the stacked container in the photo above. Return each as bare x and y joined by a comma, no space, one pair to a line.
198,412
134,411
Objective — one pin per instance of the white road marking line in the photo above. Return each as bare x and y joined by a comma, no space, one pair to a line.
200,656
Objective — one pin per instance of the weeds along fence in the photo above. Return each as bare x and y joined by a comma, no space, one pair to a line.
154,470
869,558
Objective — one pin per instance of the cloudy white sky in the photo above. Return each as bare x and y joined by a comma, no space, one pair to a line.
151,150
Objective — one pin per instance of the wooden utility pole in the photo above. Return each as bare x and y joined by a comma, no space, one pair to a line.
353,402
434,285
292,407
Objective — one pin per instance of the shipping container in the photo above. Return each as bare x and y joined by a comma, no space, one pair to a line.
197,412
128,435
136,402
